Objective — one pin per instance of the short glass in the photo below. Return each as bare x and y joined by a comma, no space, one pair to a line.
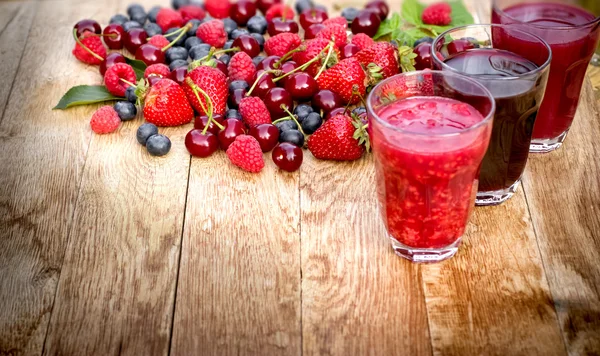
572,29
429,132
516,74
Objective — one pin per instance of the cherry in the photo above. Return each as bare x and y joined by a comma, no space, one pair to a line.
201,144
267,63
153,79
222,67
242,11
264,85
113,36
275,98
301,86
460,45
134,39
233,128
248,44
349,50
111,60
286,68
380,7
267,136
287,156
201,121
336,111
264,5
178,74
312,16
279,25
326,100
87,25
366,22
423,59
149,54
312,31
235,97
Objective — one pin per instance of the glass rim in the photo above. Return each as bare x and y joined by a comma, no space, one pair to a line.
536,71
595,21
486,92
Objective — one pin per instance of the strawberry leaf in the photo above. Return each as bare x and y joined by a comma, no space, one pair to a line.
412,11
406,57
387,27
85,94
138,66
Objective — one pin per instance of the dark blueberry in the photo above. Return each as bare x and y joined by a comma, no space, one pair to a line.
394,43
302,111
225,59
320,7
257,60
311,123
206,18
139,16
126,110
302,5
257,24
176,4
233,114
350,13
199,51
192,31
119,18
259,38
180,42
133,8
145,131
152,13
158,145
175,53
228,44
359,110
131,24
130,95
197,3
423,40
238,84
178,63
191,42
292,136
286,125
237,33
152,29
230,25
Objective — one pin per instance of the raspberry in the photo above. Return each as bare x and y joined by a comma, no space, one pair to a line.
254,111
159,69
94,44
245,152
218,9
105,120
190,12
113,76
279,10
241,67
213,33
336,21
168,18
437,14
362,41
313,49
282,43
159,41
336,33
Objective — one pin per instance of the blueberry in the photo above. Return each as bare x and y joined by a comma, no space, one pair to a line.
359,110
206,18
175,53
119,18
423,40
133,8
192,31
145,131
350,13
177,63
152,29
257,24
176,4
225,59
228,44
287,125
259,38
292,136
320,7
311,123
139,16
199,51
158,145
302,111
152,13
302,5
237,33
257,60
238,84
233,114
131,24
180,42
230,25
130,95
126,110
191,42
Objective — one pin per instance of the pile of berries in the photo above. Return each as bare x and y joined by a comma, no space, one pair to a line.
205,64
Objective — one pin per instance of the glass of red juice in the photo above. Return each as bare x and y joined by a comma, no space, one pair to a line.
429,132
572,29
516,75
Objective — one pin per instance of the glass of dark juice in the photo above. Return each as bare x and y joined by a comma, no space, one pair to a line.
516,74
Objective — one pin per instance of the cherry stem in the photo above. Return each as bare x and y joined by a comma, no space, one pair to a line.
182,32
286,56
197,63
98,57
302,67
285,118
262,75
326,60
293,117
128,82
211,119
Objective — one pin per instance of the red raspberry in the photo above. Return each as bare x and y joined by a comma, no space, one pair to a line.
339,20
437,14
213,33
190,12
336,33
158,69
245,152
159,41
254,111
168,18
279,10
314,47
241,67
113,76
218,9
105,120
282,43
362,41
94,44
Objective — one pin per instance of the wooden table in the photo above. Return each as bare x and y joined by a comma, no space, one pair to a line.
105,250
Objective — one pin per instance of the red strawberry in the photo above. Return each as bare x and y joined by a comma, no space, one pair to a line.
384,56
105,120
159,69
314,48
279,10
218,9
282,43
168,18
159,41
254,111
343,78
336,33
213,33
338,139
190,12
167,105
437,14
338,20
214,83
241,67
245,152
113,78
89,49
362,40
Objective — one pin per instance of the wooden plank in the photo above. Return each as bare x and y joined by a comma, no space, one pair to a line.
358,297
563,191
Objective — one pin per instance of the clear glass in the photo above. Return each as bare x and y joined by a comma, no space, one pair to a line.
427,181
572,29
516,75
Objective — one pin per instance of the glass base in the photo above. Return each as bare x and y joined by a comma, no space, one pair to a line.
547,145
425,255
496,197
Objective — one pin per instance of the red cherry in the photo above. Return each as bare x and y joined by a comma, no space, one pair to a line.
87,25
423,59
111,60
234,99
286,68
201,121
267,136
199,144
326,100
113,36
242,11
460,45
264,85
349,50
336,111
149,54
264,5
134,39
153,79
275,98
279,25
233,128
248,44
267,63
301,86
380,7
312,16
178,75
312,31
287,156
222,67
366,22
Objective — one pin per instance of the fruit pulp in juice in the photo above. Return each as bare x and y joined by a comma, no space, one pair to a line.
427,166
571,51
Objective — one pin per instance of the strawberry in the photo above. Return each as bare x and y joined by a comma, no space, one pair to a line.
381,59
213,33
336,33
168,18
362,41
279,10
241,67
340,139
338,20
190,12
214,83
245,152
158,69
314,48
218,9
118,78
159,41
89,48
437,14
167,105
282,43
343,78
254,111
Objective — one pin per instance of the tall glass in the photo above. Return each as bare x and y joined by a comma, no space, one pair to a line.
516,75
429,132
572,29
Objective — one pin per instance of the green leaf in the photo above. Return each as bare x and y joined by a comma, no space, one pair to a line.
388,26
85,94
138,66
411,11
